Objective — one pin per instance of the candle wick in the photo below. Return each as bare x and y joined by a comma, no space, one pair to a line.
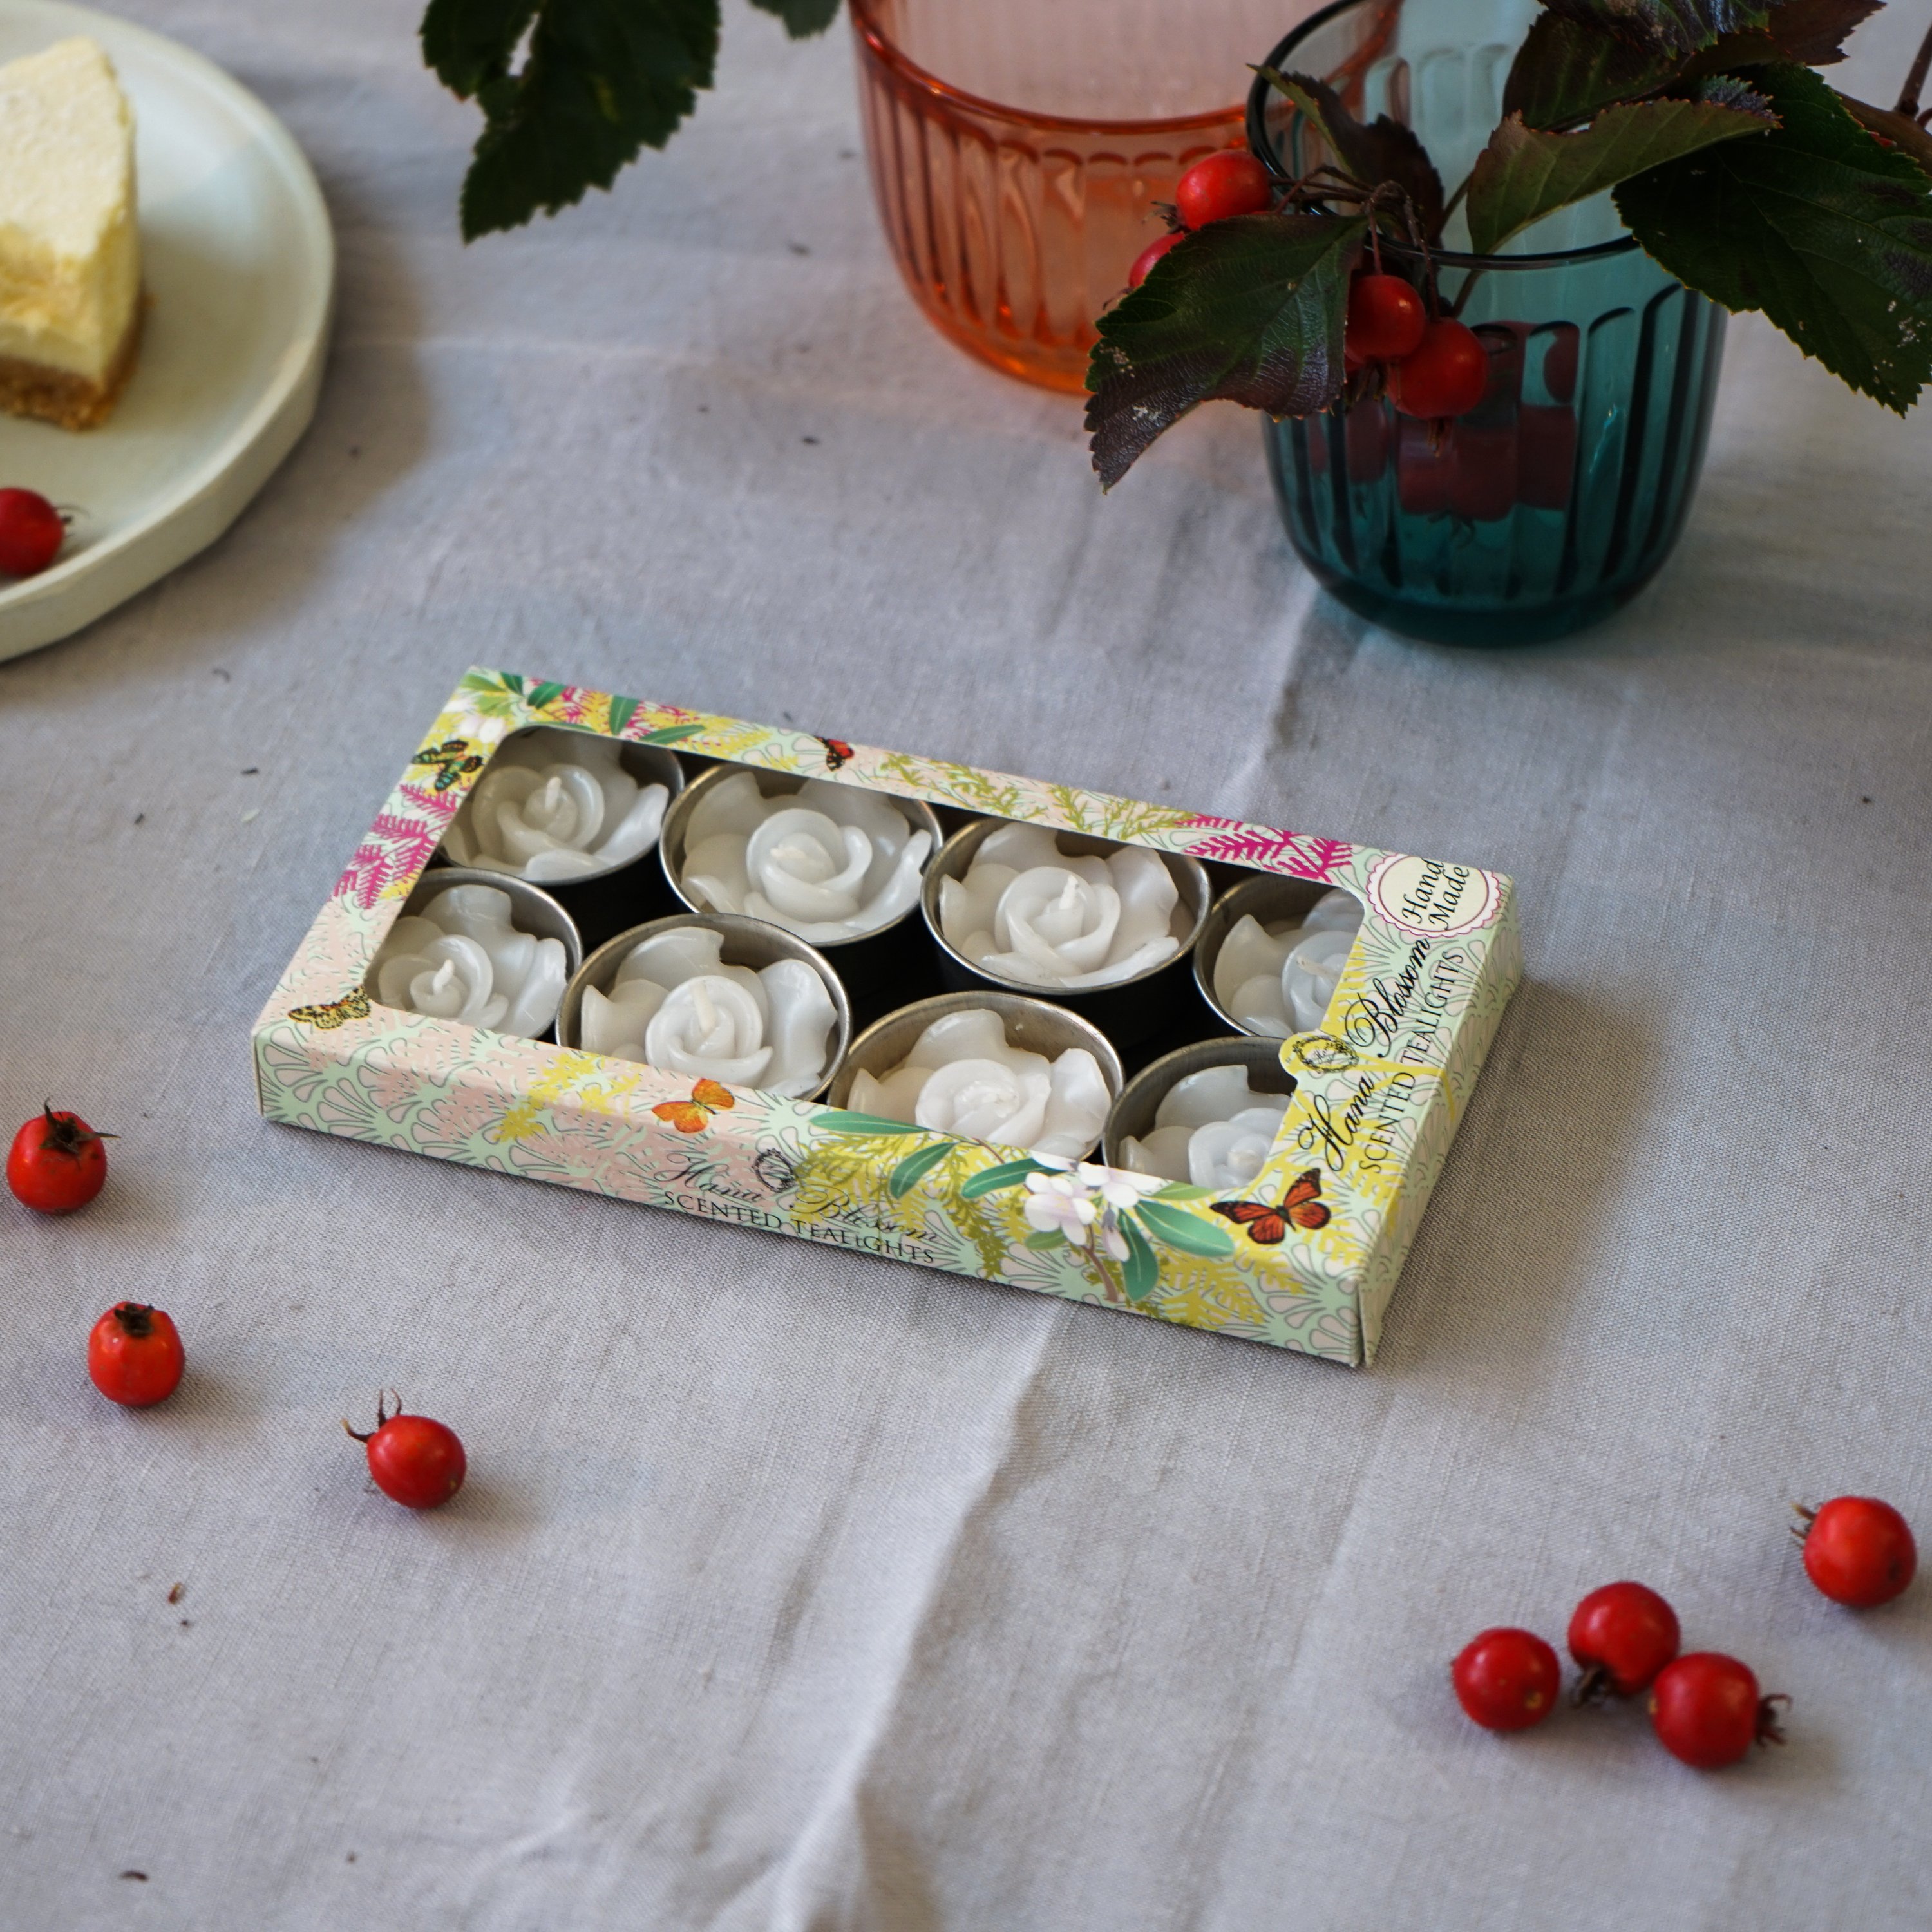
444,973
707,1014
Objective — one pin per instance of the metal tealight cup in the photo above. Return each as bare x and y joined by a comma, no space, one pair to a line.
866,962
532,909
1034,1025
1130,1011
1131,1116
747,942
1268,897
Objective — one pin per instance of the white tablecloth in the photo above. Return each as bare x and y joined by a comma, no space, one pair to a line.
796,1590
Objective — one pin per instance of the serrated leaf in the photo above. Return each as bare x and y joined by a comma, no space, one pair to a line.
1815,224
1185,1232
1524,174
1678,26
468,42
1047,1238
1564,73
1903,132
667,734
602,78
1140,1274
1808,33
1008,1174
1383,151
802,17
908,1173
838,1121
623,710
1249,310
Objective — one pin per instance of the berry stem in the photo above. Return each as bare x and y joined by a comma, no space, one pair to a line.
1915,79
1592,1688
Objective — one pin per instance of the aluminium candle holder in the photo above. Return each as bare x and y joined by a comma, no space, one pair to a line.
1132,1115
1129,1011
1263,897
1033,1025
533,909
750,943
871,964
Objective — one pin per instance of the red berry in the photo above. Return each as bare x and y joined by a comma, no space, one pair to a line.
1622,1635
31,532
1706,1709
1386,318
1448,375
1232,182
134,1356
1145,261
1858,1551
57,1162
417,1462
1506,1680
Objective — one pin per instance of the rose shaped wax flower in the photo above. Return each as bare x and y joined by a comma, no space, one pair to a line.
1027,912
557,806
827,862
460,959
1211,1129
962,1077
675,1006
1278,978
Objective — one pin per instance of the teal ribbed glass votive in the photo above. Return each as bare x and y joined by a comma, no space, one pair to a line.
1557,497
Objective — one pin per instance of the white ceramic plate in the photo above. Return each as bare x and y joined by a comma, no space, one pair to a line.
240,268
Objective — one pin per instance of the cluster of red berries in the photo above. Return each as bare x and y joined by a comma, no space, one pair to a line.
1432,367
134,1355
1705,1707
31,532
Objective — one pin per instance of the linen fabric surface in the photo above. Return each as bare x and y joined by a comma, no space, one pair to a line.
795,1591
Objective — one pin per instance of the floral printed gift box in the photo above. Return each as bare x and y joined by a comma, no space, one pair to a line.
1305,1257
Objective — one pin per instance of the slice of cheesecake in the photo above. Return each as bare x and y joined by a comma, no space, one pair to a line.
70,253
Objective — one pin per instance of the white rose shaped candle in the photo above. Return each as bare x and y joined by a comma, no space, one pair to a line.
460,959
557,806
1211,1129
675,1006
1026,911
1278,978
962,1076
828,862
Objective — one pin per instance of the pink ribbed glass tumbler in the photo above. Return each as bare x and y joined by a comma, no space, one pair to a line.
1017,148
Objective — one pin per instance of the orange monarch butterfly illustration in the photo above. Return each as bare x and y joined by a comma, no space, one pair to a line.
837,752
1302,1204
353,1007
450,763
688,1116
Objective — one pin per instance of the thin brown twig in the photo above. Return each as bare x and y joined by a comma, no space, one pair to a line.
1914,79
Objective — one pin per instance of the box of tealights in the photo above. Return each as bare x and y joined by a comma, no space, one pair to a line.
1135,1057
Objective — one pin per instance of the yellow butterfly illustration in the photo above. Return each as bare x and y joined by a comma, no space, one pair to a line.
449,761
354,1006
689,1117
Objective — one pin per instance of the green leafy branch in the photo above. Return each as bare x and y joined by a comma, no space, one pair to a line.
571,90
1128,1235
1735,166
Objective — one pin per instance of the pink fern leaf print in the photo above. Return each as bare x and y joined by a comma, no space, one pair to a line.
1235,843
396,848
442,804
